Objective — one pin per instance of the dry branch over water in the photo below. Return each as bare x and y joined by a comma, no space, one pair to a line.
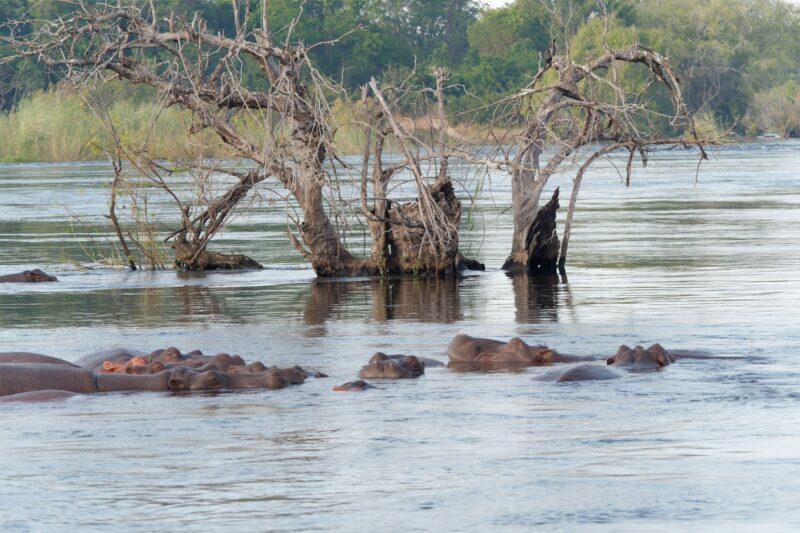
293,157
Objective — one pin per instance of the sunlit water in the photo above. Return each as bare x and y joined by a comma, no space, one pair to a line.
711,264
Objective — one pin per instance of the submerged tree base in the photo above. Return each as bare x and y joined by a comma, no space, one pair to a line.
419,242
542,245
188,258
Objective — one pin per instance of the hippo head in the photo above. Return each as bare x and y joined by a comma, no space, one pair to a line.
137,365
378,358
275,379
381,366
359,385
179,379
414,365
170,355
518,350
637,358
36,275
256,367
184,379
208,380
293,376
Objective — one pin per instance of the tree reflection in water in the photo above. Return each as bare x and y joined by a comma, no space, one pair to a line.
539,298
424,300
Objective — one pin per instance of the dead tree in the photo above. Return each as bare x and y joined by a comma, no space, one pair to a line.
568,111
203,72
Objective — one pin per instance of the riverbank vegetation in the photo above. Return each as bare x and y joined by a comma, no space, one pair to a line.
739,62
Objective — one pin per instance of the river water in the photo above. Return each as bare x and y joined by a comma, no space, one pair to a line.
708,262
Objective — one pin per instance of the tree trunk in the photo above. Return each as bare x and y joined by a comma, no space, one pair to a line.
540,254
327,254
411,249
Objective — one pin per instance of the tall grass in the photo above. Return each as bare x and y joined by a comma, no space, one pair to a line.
53,126
57,126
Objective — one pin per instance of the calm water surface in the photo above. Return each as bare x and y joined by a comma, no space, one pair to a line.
712,444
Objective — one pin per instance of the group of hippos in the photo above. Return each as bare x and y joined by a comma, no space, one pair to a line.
26,376
468,353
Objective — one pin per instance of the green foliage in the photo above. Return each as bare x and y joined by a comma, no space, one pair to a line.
739,60
775,110
725,50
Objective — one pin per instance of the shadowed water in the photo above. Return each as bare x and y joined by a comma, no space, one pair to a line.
712,264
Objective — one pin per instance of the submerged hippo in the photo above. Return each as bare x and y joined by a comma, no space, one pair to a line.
96,360
465,350
181,378
26,377
353,386
30,357
22,377
381,366
27,276
580,373
475,352
637,358
38,396
173,356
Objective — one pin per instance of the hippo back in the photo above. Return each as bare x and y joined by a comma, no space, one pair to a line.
30,357
22,377
96,359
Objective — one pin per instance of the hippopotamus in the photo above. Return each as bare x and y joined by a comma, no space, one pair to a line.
351,386
173,356
26,377
135,362
427,361
469,352
27,276
637,358
38,396
182,378
580,373
256,367
135,365
23,377
30,357
96,360
381,366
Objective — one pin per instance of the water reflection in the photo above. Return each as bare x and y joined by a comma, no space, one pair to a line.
306,458
425,300
196,301
538,298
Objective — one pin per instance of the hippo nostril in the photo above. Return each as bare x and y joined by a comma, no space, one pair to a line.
177,384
